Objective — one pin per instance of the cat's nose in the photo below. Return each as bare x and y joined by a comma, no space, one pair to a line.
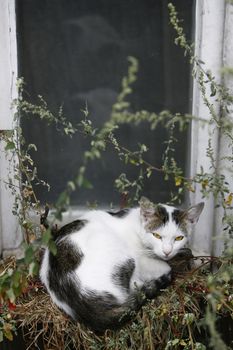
167,252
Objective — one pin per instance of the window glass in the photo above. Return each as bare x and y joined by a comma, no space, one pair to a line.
73,52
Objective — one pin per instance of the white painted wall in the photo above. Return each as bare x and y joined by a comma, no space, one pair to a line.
10,233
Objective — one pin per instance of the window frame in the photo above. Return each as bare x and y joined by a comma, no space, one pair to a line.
10,233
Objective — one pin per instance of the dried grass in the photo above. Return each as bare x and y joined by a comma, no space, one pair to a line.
160,320
176,314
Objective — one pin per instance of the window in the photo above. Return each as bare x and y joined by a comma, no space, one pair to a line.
75,51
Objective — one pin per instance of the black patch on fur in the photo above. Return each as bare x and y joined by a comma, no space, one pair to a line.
177,216
61,269
152,288
120,213
98,311
123,273
103,311
70,228
67,258
62,265
163,214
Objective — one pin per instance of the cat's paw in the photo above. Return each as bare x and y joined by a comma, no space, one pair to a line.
152,288
165,280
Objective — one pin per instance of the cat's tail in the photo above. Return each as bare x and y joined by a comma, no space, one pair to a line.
105,312
45,225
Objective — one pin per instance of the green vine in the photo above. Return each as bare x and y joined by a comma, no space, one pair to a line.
187,316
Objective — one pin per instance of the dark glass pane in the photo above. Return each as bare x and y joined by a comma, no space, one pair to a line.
75,51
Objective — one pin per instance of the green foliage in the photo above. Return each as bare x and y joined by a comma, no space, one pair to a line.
179,321
7,324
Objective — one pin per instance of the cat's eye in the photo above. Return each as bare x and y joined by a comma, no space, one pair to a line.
157,235
179,238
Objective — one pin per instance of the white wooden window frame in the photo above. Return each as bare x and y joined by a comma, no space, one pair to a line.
214,46
10,232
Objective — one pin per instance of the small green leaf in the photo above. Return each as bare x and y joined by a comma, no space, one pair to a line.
87,184
33,268
8,334
79,180
11,295
188,318
52,247
29,254
16,278
32,146
9,146
46,237
200,346
148,172
213,90
71,185
63,199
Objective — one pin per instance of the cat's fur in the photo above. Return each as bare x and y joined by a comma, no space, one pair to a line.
107,264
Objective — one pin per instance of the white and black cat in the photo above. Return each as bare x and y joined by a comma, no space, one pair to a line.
107,264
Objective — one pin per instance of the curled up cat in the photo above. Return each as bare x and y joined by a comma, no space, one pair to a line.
108,264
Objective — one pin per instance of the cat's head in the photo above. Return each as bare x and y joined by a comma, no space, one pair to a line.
165,227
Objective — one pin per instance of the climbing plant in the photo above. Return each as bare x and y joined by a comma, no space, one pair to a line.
199,296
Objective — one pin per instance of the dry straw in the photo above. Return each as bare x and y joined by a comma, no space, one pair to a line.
171,321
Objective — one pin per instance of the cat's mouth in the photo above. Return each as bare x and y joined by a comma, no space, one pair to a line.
167,257
164,257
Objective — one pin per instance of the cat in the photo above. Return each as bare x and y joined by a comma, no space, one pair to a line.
109,263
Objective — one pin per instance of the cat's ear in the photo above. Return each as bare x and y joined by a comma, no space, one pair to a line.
147,208
193,213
